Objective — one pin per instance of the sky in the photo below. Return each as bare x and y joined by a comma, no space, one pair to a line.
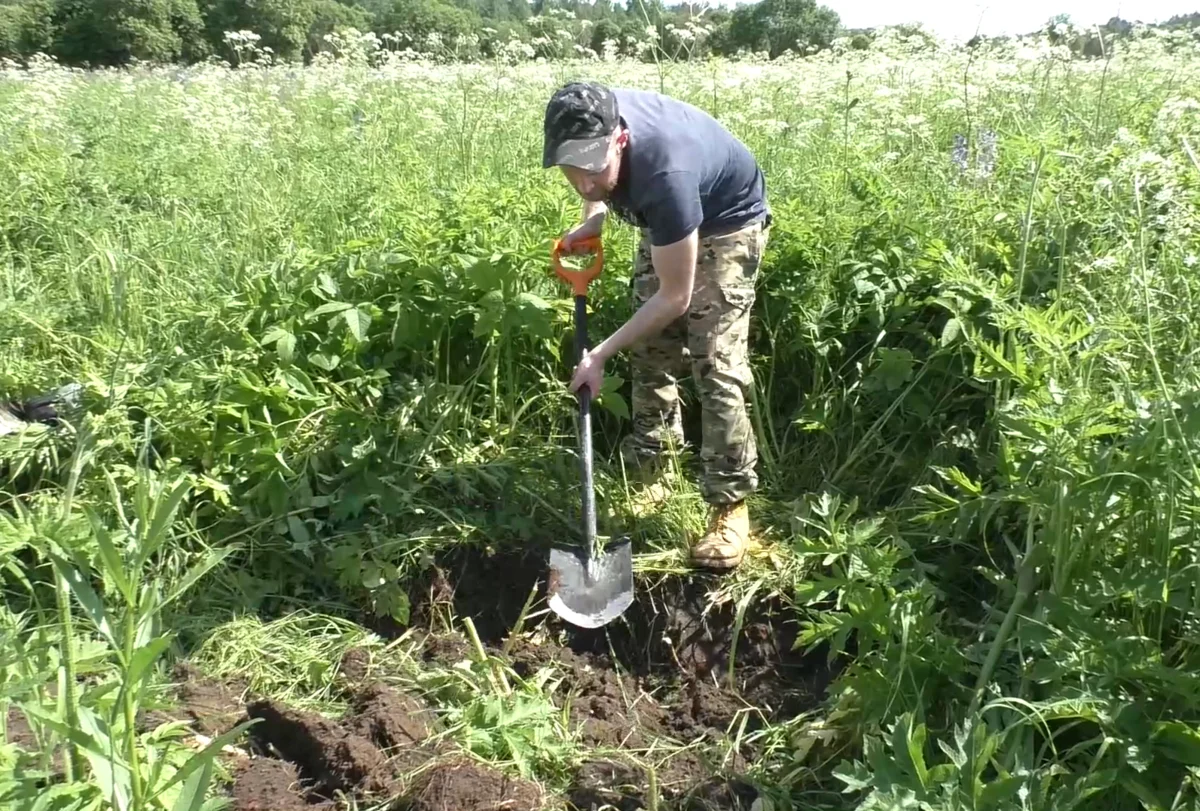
962,19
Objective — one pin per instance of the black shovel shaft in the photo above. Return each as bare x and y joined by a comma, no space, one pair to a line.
585,426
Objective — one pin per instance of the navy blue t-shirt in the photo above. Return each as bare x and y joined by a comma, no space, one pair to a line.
683,170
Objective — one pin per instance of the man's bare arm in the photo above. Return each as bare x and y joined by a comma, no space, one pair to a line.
675,265
592,225
594,209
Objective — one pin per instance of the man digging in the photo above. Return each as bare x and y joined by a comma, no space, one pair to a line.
698,197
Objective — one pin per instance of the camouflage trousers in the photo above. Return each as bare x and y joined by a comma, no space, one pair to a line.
712,337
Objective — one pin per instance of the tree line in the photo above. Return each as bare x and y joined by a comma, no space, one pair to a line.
95,33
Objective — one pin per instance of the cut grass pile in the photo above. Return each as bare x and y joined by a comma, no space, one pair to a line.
324,439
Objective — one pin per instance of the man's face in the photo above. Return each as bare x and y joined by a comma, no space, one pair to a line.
595,187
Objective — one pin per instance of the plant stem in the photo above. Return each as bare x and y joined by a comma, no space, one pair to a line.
130,705
1024,588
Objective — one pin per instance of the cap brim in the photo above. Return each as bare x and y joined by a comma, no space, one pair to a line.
588,154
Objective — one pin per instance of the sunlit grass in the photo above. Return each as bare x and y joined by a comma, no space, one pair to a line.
322,299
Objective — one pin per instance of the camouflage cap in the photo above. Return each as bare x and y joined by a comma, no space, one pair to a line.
580,119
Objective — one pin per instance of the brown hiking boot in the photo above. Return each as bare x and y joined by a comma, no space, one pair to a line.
728,536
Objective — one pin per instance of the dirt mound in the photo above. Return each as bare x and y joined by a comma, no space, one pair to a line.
332,757
671,632
355,665
307,758
670,687
671,677
391,719
466,786
610,707
213,708
266,784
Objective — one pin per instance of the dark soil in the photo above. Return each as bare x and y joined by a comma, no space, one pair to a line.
213,708
466,786
355,666
668,671
390,719
305,760
332,757
671,668
267,784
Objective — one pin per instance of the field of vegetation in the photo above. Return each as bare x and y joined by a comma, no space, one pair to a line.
286,548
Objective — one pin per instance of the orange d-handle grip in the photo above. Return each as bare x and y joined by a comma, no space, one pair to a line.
578,279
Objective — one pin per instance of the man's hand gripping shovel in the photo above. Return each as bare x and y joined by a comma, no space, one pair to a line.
588,586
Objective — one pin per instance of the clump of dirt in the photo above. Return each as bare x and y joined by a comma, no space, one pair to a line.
605,784
370,752
212,707
355,665
610,708
463,785
685,782
267,784
332,757
391,719
446,651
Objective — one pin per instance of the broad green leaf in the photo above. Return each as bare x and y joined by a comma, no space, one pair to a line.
323,361
372,575
114,565
399,606
329,308
195,789
1001,793
535,301
1147,794
273,335
298,530
895,368
908,742
286,348
298,381
144,658
942,773
78,583
855,775
1178,741
485,273
164,516
359,322
951,332
212,558
615,403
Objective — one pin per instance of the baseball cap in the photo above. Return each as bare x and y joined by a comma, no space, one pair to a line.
580,120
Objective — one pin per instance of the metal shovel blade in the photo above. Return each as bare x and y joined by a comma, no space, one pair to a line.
591,590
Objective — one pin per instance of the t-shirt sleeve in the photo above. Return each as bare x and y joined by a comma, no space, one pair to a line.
672,206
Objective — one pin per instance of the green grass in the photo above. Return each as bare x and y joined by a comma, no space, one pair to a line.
320,301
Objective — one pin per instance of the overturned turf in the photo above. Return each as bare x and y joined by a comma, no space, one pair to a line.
661,704
467,786
674,682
